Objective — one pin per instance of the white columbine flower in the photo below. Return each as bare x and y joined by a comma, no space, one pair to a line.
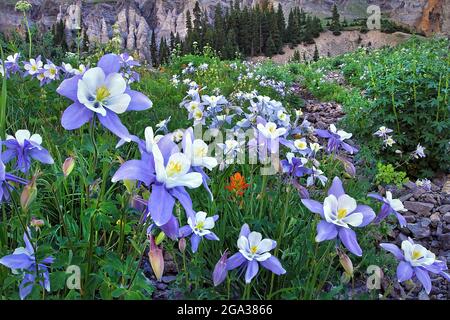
341,133
178,135
395,204
254,247
300,144
417,255
270,130
99,92
33,66
176,172
197,151
389,141
315,147
340,211
201,225
51,71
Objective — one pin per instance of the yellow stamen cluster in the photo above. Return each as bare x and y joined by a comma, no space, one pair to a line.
342,213
173,167
101,93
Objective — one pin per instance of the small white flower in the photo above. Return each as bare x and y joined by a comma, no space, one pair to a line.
254,247
301,144
315,147
201,225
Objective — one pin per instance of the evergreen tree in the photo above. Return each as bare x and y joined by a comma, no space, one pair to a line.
154,50
335,26
163,52
316,56
270,48
281,23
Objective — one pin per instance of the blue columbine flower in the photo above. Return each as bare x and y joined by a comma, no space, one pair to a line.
336,139
5,182
416,260
25,147
23,259
339,211
254,251
103,92
390,206
168,172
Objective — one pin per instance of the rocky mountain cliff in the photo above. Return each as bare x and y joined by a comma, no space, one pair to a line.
137,18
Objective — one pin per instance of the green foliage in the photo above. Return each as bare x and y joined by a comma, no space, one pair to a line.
405,89
388,175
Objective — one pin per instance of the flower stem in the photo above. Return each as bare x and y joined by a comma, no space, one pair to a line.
94,143
262,194
282,229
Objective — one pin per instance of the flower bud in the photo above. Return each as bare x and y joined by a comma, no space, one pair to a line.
220,270
68,166
345,262
29,194
156,258
182,245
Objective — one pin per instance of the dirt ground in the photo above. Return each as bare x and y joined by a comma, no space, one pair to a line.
331,45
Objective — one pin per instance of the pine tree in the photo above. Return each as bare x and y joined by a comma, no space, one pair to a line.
296,57
163,52
316,56
154,50
270,48
281,22
335,21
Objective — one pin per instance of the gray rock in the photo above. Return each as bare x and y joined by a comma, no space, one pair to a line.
405,197
420,229
422,208
435,218
410,219
446,217
445,241
444,209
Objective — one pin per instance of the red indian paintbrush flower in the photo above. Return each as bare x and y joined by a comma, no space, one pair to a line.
237,184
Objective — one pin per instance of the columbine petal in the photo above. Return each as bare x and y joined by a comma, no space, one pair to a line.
245,231
424,278
348,238
109,63
313,206
138,101
112,122
404,271
160,205
134,170
75,116
252,271
326,231
336,188
235,261
68,88
195,241
17,261
274,265
392,248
